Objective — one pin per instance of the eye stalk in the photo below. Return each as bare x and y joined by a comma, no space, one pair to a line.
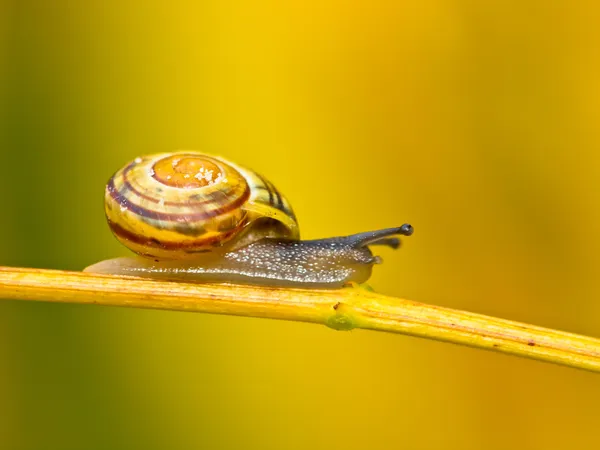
380,237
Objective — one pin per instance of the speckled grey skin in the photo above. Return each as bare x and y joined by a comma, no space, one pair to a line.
323,263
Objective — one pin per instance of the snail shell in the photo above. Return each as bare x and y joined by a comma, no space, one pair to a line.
196,217
173,206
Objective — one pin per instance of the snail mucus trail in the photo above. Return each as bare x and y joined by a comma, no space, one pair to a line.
200,218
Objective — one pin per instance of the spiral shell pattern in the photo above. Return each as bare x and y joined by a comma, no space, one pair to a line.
177,205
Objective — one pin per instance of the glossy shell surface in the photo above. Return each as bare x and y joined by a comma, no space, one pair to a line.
183,204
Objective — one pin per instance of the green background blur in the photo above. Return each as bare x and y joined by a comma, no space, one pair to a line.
477,122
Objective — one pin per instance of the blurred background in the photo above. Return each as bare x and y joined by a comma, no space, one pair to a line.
477,122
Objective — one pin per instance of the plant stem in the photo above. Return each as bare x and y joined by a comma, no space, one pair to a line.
342,309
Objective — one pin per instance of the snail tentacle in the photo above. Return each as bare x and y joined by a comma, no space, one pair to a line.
380,237
391,242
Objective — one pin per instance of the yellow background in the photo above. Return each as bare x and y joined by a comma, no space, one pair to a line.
477,122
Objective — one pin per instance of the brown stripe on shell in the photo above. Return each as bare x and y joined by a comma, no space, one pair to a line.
266,186
122,200
189,246
273,192
279,201
208,200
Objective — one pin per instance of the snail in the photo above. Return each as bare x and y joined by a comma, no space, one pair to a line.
201,218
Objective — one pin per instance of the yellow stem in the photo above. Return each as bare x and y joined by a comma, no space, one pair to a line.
342,309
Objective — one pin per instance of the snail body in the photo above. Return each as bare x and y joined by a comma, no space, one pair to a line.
195,217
